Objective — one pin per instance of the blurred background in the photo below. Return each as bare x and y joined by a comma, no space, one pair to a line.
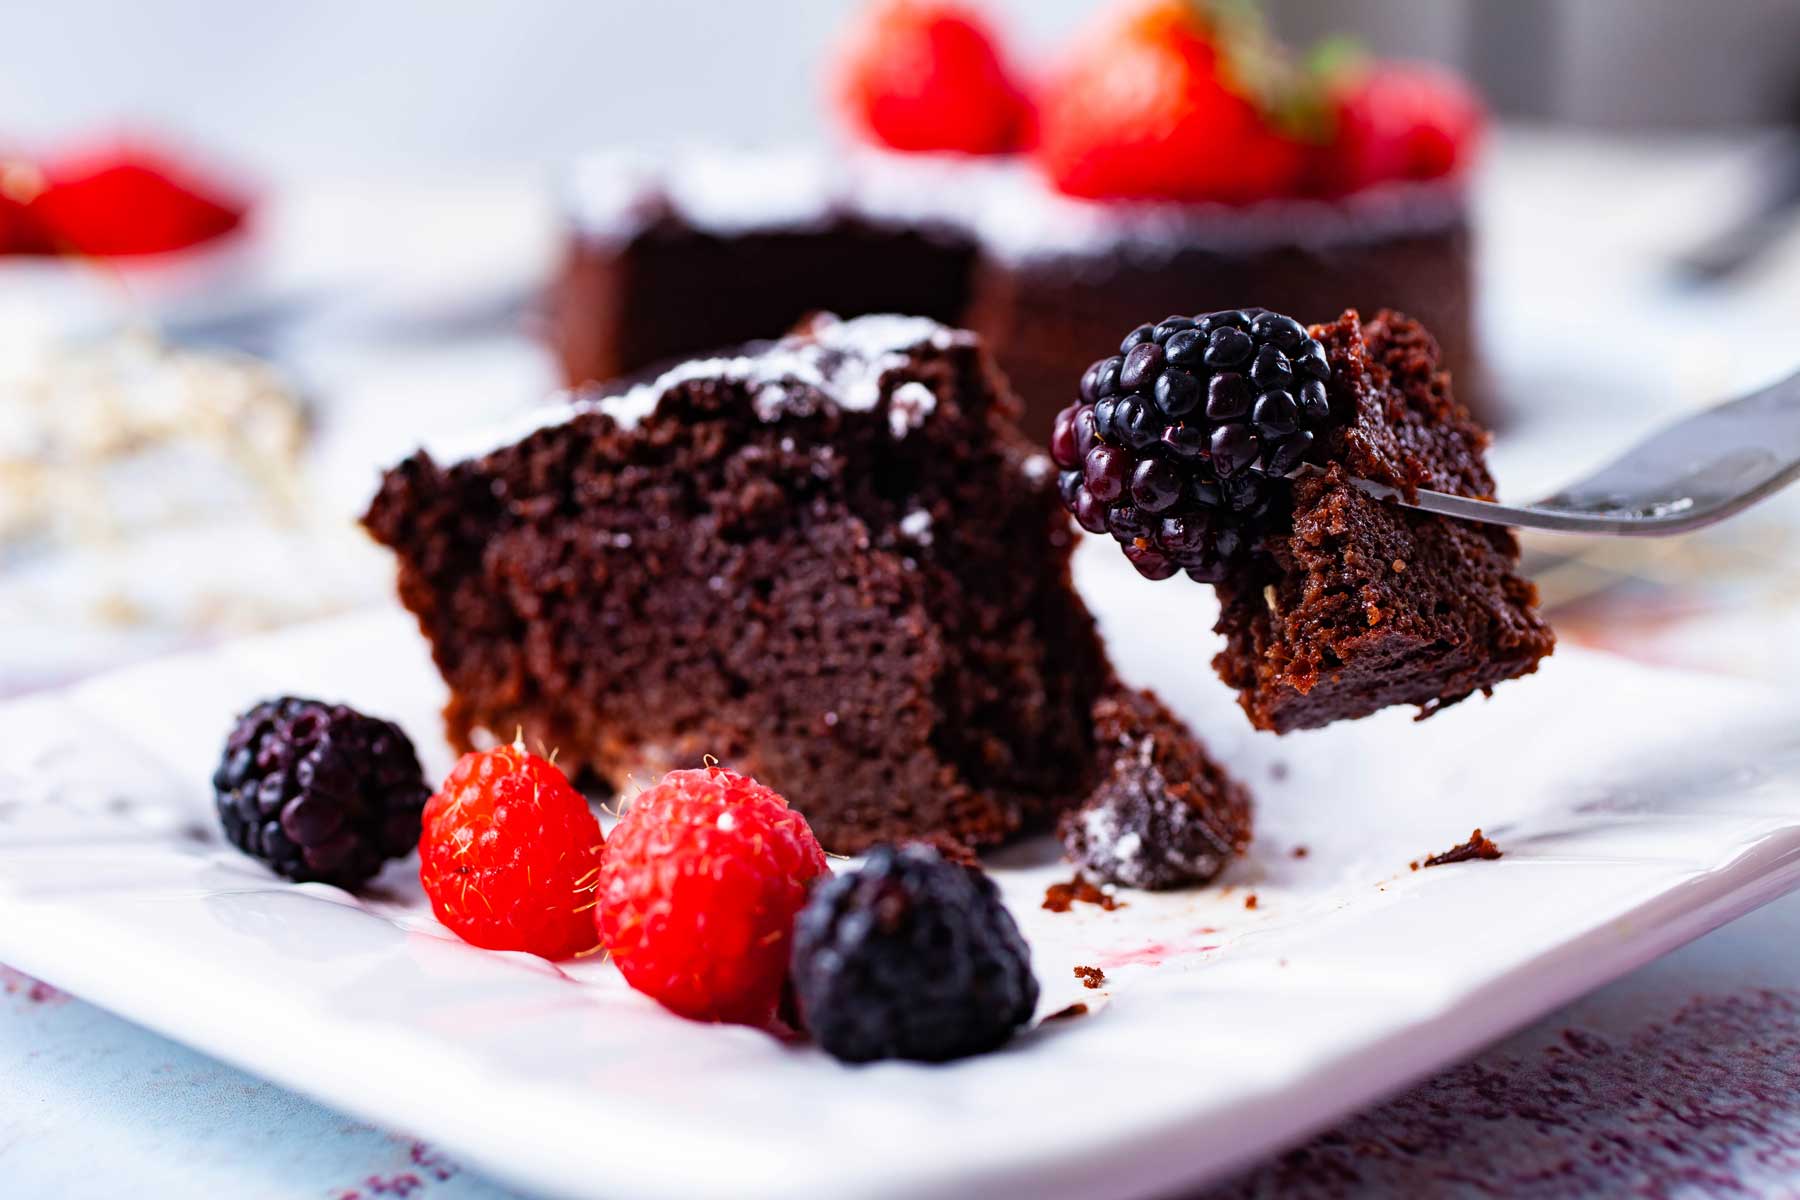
337,85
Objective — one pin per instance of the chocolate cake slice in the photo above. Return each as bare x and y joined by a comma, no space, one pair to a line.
1355,603
831,561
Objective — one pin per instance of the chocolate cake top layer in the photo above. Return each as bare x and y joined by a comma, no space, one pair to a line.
830,363
1004,205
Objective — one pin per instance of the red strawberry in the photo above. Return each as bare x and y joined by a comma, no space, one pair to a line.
13,232
1154,108
20,232
1399,121
127,200
921,75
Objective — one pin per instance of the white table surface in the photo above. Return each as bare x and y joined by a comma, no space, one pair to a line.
1679,1080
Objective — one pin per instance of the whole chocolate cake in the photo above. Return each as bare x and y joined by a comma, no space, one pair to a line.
831,561
679,255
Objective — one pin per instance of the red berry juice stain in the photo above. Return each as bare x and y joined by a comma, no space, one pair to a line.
1153,954
1705,1103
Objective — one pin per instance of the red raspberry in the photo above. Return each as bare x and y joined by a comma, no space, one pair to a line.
922,75
128,200
510,855
702,878
1151,108
1399,121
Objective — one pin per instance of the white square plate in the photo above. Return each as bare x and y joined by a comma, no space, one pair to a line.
1637,808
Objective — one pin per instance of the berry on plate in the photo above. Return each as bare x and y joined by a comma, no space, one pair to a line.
1399,121
910,956
1161,105
510,853
128,200
702,878
1178,443
924,75
318,791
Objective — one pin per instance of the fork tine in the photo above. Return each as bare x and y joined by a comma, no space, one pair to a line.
1683,477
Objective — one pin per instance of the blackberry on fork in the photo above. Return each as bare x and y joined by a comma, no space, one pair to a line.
1179,443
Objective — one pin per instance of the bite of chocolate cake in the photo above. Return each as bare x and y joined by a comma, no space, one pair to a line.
831,561
1364,604
1227,446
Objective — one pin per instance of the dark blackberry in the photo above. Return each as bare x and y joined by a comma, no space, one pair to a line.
910,956
319,791
1195,420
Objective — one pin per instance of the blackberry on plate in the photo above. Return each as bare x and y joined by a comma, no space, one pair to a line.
910,956
1179,443
319,791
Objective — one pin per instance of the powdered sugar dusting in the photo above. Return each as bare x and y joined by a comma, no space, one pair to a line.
733,190
916,526
613,194
910,404
1004,205
458,447
1111,847
842,363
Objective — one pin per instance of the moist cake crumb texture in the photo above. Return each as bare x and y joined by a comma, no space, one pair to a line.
1061,897
1479,846
1364,604
784,558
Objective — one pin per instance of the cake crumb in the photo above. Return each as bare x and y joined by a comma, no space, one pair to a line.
1060,897
1091,977
1479,845
950,848
1074,1010
1414,864
1250,900
1300,852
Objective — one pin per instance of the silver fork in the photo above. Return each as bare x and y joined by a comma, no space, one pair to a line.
1689,475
